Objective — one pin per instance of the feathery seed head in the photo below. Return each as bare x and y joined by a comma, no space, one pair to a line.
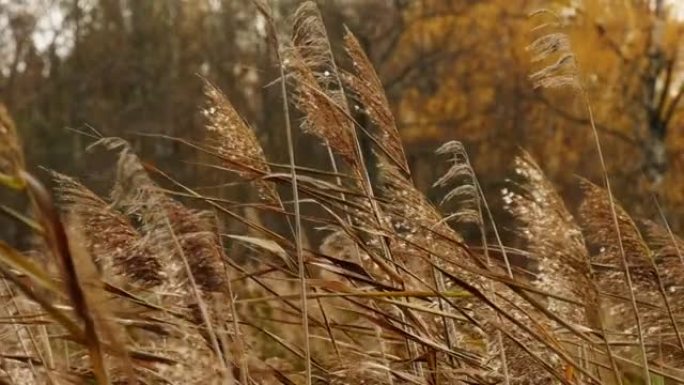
553,52
554,238
461,177
235,142
113,242
368,89
596,218
324,112
167,223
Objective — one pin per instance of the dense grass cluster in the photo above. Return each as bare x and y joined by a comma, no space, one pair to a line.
139,286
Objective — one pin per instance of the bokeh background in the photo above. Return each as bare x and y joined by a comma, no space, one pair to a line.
453,69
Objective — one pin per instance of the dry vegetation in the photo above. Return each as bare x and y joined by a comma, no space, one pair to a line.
138,287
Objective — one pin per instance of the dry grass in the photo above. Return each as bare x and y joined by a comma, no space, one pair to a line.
139,287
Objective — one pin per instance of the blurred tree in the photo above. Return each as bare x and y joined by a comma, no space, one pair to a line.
454,69
460,69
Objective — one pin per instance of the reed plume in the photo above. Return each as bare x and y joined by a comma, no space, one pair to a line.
460,181
139,195
667,256
368,89
651,277
555,240
319,91
595,217
117,247
235,142
552,52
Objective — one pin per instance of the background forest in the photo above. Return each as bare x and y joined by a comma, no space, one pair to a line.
452,69
342,192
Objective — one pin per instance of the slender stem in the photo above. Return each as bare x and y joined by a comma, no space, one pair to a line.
298,221
616,223
509,270
200,302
